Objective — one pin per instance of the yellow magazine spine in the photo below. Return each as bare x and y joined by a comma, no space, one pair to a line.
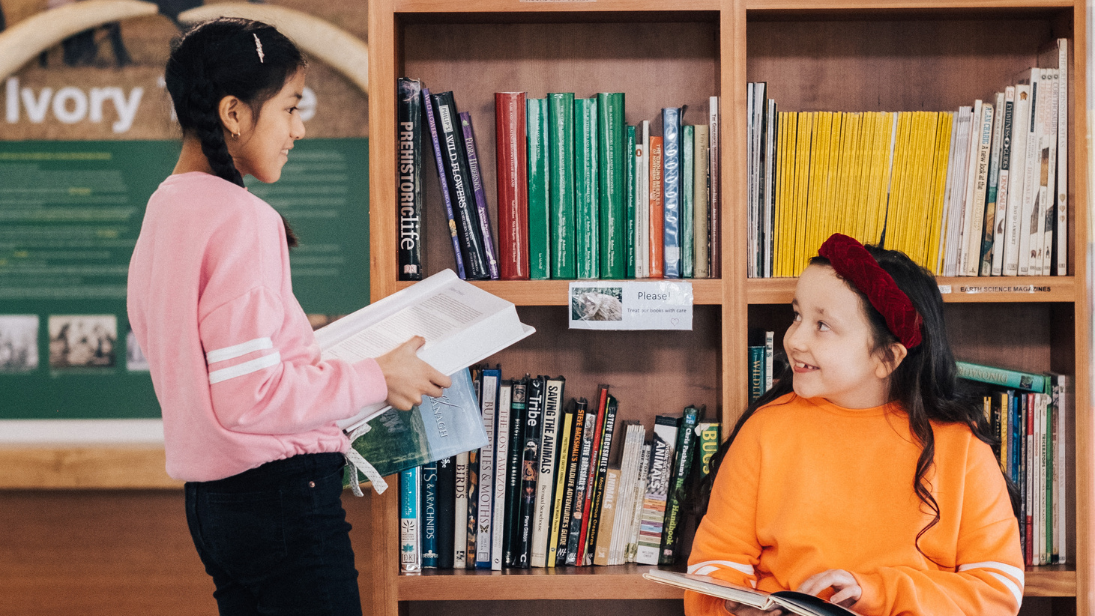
836,159
815,205
874,171
893,191
782,154
939,185
849,171
925,141
867,143
914,187
887,159
802,184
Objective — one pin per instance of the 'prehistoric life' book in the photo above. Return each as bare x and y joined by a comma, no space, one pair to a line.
461,323
790,601
409,163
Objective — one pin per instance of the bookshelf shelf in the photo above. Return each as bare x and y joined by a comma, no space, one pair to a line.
831,55
616,582
104,468
1008,290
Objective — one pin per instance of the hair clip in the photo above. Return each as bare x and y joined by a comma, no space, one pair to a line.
258,47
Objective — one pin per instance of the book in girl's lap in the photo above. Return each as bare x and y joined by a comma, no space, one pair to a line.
863,477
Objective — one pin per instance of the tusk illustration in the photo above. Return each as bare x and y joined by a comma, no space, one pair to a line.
331,44
35,34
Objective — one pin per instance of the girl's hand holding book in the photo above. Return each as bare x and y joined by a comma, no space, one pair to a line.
408,377
846,588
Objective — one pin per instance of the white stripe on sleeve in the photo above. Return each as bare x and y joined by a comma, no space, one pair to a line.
1011,570
1010,586
246,367
232,352
708,566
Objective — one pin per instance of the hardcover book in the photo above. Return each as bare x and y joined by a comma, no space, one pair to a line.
511,544
682,465
576,517
458,178
468,133
592,472
687,217
410,553
657,490
560,107
602,468
446,512
446,198
573,452
629,203
559,487
701,204
512,175
530,471
671,190
612,181
490,388
460,510
586,189
656,220
428,512
714,187
551,403
501,461
539,196
409,182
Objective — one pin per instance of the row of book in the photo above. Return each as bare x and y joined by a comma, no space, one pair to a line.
1029,413
978,192
581,195
558,484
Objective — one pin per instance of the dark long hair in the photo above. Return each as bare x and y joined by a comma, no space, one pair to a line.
221,58
925,383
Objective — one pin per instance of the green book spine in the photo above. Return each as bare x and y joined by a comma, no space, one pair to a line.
688,234
611,146
629,204
539,242
586,186
682,465
756,372
561,162
707,445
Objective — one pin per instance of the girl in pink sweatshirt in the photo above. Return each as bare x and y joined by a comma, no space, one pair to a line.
249,408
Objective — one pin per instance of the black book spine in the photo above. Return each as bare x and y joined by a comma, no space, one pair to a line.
473,507
429,515
446,511
513,469
602,472
458,178
409,186
584,455
530,470
570,455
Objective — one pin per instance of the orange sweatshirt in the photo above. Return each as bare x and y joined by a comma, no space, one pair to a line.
810,486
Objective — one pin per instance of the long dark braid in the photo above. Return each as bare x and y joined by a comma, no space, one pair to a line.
220,58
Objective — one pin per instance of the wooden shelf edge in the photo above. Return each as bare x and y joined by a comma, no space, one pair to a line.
955,290
519,6
903,5
586,583
66,467
1054,581
554,292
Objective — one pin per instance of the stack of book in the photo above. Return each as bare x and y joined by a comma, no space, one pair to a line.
547,490
1030,414
581,194
977,192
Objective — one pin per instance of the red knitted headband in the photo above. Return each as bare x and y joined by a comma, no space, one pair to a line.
852,261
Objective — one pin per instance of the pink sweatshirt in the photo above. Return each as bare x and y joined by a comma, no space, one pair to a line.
234,362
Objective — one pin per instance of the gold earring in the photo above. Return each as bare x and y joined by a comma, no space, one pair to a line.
235,135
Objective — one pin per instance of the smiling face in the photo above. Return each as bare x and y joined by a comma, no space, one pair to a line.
830,344
262,148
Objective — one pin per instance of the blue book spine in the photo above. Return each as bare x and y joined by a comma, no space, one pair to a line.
429,516
671,189
480,197
427,102
410,556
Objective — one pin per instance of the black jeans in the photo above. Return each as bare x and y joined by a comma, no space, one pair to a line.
275,538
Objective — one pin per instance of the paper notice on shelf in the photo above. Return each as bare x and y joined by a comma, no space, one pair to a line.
630,305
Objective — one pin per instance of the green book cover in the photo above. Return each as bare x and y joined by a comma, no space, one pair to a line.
586,187
707,444
629,204
611,145
561,186
682,464
688,234
756,372
539,241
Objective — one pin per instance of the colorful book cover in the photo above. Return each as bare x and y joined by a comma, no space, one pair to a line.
632,548
409,181
612,184
671,190
687,217
468,132
446,199
548,456
512,177
585,455
701,204
530,470
513,471
561,185
1003,184
428,509
539,214
656,217
707,444
629,203
642,200
488,404
756,372
682,464
988,232
566,430
586,189
460,188
438,428
603,452
657,490
573,452
607,517
1002,377
410,553
501,461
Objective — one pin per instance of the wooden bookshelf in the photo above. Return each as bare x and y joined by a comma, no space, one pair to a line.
838,55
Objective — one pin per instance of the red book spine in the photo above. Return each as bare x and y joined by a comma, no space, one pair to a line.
509,113
591,476
657,210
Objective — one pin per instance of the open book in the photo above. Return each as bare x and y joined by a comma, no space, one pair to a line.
462,325
789,601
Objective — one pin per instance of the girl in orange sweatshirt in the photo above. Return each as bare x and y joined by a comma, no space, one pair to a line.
862,477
